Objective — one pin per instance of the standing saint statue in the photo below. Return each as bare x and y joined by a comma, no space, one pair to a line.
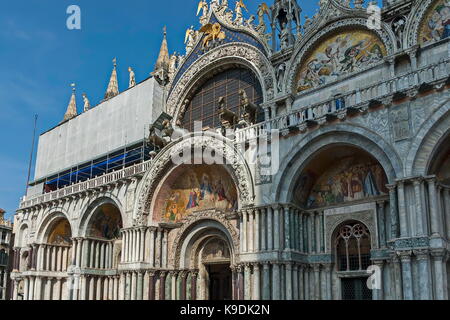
189,40
238,11
87,104
132,77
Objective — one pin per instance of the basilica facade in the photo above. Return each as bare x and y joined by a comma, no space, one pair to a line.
349,200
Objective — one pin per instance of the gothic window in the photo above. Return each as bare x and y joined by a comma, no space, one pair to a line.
204,103
353,247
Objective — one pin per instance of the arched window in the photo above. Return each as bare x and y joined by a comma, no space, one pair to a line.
353,247
203,103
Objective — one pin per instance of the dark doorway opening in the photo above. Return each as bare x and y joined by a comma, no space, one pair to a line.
220,285
355,289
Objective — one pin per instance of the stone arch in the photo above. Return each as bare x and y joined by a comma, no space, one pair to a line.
416,19
163,163
302,51
49,223
23,235
342,134
91,209
210,222
228,54
338,223
425,144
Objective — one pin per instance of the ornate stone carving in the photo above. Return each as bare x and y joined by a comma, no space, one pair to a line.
175,252
163,162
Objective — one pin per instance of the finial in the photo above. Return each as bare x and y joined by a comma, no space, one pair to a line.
115,62
165,31
73,85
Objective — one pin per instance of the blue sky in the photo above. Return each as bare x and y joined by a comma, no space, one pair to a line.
40,57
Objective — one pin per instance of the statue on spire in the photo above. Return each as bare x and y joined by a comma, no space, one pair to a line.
263,9
132,78
87,104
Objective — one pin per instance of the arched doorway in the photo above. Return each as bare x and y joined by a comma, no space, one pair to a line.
208,248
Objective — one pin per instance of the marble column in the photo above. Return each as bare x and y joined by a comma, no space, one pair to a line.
301,283
263,229
256,282
139,287
240,286
162,285
405,258
152,247
317,288
244,231
269,213
440,274
295,284
402,210
248,282
378,292
26,286
433,202
393,211
287,227
194,276
288,278
420,212
276,228
423,260
164,248
381,223
276,281
257,231
251,230
266,281
184,276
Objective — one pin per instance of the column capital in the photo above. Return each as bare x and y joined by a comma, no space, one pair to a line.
405,256
378,263
438,254
327,266
422,254
391,187
316,267
256,266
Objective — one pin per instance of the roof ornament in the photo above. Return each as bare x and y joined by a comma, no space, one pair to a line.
203,5
87,104
239,18
161,72
132,82
72,107
113,86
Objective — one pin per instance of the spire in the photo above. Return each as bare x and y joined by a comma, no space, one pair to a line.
72,108
163,62
113,86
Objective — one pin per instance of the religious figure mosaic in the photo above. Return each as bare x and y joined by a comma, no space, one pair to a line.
106,223
338,56
199,188
347,180
61,234
436,26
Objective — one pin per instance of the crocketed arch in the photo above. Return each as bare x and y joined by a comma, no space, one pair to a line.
163,163
417,18
238,54
300,55
342,134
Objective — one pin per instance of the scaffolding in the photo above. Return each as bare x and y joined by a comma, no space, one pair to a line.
114,161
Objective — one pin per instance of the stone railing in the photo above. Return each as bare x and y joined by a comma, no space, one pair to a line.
86,185
339,106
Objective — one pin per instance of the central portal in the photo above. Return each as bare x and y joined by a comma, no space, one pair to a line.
220,286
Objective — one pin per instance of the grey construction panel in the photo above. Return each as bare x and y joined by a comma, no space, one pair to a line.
112,125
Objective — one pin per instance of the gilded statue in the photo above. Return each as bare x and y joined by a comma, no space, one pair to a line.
213,32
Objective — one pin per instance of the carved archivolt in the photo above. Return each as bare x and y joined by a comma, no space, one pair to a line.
416,16
235,162
303,51
230,53
196,218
